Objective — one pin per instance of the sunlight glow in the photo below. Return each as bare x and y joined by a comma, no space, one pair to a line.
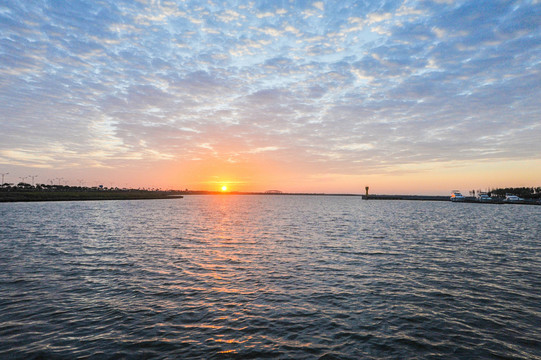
224,188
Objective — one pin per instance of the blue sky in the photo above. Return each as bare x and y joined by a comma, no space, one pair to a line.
327,90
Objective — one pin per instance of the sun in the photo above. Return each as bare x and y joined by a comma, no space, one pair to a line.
224,188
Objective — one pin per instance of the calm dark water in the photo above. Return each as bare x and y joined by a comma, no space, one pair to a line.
295,277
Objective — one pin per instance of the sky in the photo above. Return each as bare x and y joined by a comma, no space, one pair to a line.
409,97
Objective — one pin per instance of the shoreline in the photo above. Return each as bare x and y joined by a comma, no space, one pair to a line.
131,194
85,195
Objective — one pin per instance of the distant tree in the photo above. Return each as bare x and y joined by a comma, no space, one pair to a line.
523,192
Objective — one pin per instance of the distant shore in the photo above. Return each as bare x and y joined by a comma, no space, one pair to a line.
87,194
84,195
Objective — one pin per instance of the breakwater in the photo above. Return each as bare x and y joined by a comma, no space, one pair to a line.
406,197
447,198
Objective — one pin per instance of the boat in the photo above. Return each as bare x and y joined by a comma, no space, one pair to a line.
510,198
483,197
457,196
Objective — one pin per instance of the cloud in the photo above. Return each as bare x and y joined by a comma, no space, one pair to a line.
319,5
394,82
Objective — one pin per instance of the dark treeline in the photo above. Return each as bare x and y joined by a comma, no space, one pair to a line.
45,187
42,192
523,192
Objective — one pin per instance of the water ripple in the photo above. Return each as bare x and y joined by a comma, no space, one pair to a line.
240,277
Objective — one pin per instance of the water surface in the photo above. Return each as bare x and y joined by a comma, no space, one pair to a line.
298,277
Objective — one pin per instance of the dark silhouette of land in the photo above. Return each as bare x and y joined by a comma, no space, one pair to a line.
27,192
42,192
528,196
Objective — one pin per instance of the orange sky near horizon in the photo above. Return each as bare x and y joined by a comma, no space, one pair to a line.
212,174
435,179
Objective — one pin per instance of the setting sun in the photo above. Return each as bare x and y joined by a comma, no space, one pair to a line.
224,188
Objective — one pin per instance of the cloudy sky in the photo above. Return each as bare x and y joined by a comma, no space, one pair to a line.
404,96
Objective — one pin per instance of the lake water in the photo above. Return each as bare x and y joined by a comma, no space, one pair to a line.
295,277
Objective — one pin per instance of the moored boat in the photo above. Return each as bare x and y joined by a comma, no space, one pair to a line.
457,196
510,198
483,197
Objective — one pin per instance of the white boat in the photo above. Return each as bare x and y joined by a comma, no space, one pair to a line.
484,198
510,198
457,196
